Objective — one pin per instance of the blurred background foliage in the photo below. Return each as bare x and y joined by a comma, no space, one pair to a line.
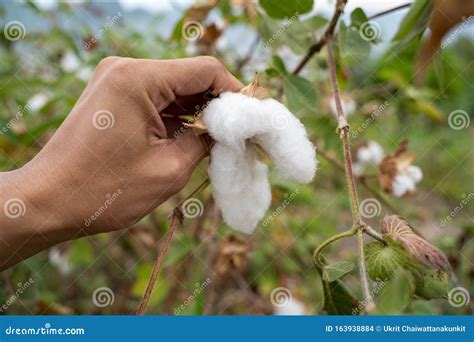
43,73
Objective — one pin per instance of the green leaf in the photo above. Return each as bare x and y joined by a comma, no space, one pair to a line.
353,49
358,17
281,9
337,269
299,93
397,293
279,64
416,16
337,298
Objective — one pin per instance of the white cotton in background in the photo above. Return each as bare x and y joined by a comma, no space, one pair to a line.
415,173
347,102
402,184
292,308
84,73
37,101
372,153
240,183
59,260
358,169
70,62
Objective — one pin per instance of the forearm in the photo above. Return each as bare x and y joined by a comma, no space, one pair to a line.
28,220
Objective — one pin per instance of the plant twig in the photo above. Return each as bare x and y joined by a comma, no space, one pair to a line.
343,130
322,246
328,32
176,219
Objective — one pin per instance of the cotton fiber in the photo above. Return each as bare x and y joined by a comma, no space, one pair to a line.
240,124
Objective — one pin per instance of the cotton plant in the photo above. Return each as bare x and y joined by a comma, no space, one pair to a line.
397,174
367,154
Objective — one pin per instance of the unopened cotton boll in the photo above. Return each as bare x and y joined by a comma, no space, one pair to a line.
239,181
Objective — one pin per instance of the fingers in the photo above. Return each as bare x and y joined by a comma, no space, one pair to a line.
190,148
188,76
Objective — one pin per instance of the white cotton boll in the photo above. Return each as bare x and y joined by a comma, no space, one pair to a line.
415,173
358,169
60,261
376,152
292,308
240,182
348,105
372,153
402,184
85,74
234,118
70,62
240,186
37,101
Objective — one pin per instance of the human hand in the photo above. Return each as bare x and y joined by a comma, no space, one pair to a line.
114,158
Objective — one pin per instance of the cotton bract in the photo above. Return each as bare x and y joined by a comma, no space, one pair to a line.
239,124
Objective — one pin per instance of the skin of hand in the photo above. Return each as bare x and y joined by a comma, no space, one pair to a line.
114,159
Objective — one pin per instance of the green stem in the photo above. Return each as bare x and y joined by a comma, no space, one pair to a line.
332,239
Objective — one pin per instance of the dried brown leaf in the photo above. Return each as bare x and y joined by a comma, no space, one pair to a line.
232,255
398,229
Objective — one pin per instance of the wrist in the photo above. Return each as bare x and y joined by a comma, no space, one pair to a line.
27,218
